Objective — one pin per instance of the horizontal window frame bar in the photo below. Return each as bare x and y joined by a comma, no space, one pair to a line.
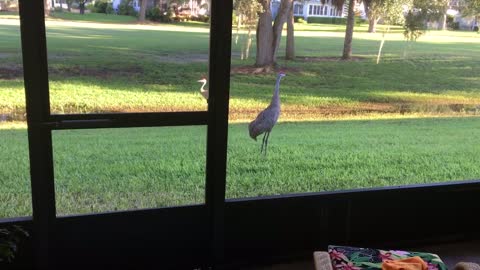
362,193
123,120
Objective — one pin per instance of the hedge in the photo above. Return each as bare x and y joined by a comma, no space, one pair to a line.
327,20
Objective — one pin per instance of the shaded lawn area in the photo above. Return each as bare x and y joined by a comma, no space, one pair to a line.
93,17
118,169
123,67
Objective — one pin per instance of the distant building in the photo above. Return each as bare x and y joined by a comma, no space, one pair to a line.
192,7
319,8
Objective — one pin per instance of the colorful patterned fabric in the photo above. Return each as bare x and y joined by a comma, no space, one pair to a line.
353,258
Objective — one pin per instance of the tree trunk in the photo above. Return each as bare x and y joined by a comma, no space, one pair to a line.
81,6
280,21
143,10
249,42
443,22
372,25
347,46
290,50
69,6
372,22
381,43
46,7
264,36
239,24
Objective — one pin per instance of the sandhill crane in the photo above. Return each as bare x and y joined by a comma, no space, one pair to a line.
267,118
204,92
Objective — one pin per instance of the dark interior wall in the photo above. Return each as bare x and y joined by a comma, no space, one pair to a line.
266,230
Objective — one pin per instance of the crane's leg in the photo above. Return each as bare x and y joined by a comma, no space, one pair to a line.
263,142
266,142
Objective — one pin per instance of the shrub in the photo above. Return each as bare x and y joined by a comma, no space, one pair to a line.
296,18
110,9
200,18
154,14
157,15
414,26
100,6
451,24
89,6
301,20
327,20
359,20
126,8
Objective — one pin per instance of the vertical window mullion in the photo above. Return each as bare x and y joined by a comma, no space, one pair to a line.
219,77
34,52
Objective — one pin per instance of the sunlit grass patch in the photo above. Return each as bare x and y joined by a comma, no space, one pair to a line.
117,169
112,68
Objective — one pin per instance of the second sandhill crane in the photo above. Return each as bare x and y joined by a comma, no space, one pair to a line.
267,118
203,91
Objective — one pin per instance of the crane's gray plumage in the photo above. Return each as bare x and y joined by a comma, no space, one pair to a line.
267,118
204,92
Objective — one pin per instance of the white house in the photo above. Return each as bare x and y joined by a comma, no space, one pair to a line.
194,7
319,8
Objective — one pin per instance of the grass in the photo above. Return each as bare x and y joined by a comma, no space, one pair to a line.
98,67
122,67
93,17
108,170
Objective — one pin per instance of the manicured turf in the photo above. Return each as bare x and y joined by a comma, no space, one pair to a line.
98,67
107,170
93,17
121,67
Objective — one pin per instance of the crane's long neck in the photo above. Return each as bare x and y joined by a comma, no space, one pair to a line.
203,85
276,93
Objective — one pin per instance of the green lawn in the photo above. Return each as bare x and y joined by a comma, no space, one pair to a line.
124,67
93,17
98,67
106,170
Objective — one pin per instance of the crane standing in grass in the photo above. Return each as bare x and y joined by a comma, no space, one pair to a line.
267,118
203,91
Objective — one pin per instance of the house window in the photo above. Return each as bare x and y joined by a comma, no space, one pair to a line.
298,9
317,10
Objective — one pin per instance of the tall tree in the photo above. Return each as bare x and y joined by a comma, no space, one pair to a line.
81,6
268,36
247,15
290,48
430,10
391,11
143,10
444,5
347,46
471,8
46,7
370,12
69,5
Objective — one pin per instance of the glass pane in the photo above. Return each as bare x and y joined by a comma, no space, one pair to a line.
123,169
15,192
103,63
411,118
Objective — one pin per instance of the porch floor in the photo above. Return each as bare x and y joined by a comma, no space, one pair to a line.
450,253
